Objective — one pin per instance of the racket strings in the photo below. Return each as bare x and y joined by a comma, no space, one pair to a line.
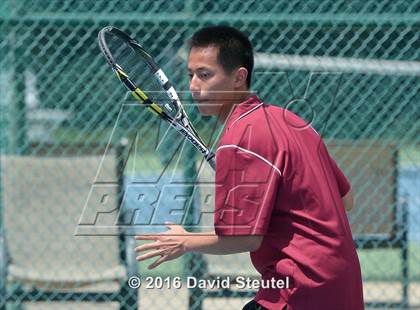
138,71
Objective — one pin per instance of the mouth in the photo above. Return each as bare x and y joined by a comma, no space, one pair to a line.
200,100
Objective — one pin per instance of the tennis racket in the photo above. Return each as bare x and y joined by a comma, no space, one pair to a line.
134,66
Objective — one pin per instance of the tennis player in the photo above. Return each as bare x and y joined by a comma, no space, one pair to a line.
279,194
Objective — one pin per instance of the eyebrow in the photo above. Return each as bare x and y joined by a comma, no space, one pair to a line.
199,69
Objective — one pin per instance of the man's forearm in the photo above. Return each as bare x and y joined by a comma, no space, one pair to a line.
210,243
176,242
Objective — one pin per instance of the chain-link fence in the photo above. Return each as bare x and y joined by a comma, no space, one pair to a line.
351,68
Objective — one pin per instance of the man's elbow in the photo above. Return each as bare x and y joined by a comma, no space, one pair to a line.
254,242
348,201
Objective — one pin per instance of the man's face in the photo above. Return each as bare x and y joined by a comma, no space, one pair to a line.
210,86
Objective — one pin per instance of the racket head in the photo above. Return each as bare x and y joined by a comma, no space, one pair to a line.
136,68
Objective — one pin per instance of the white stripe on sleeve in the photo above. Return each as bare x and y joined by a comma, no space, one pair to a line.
227,146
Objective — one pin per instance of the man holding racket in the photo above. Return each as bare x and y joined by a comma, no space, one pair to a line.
279,195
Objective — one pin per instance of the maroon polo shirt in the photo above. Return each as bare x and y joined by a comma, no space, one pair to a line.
275,178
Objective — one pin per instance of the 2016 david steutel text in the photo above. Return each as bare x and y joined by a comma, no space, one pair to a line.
237,282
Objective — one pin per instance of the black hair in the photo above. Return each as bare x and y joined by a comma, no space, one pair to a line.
235,49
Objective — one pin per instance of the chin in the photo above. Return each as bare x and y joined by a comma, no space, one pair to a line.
206,109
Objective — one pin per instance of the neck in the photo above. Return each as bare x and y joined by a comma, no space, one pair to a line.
229,107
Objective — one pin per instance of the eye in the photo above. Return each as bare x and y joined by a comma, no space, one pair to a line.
204,75
190,76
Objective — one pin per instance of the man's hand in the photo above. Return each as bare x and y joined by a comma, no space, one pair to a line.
348,201
176,241
168,245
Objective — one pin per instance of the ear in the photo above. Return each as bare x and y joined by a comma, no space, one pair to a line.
240,77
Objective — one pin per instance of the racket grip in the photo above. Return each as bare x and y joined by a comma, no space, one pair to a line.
211,160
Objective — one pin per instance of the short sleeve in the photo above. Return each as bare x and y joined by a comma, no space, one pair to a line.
246,190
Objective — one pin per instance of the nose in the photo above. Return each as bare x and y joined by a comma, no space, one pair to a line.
194,87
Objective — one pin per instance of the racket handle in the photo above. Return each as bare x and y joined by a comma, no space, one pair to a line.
211,160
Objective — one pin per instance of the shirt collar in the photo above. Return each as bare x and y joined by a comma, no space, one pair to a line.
242,109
